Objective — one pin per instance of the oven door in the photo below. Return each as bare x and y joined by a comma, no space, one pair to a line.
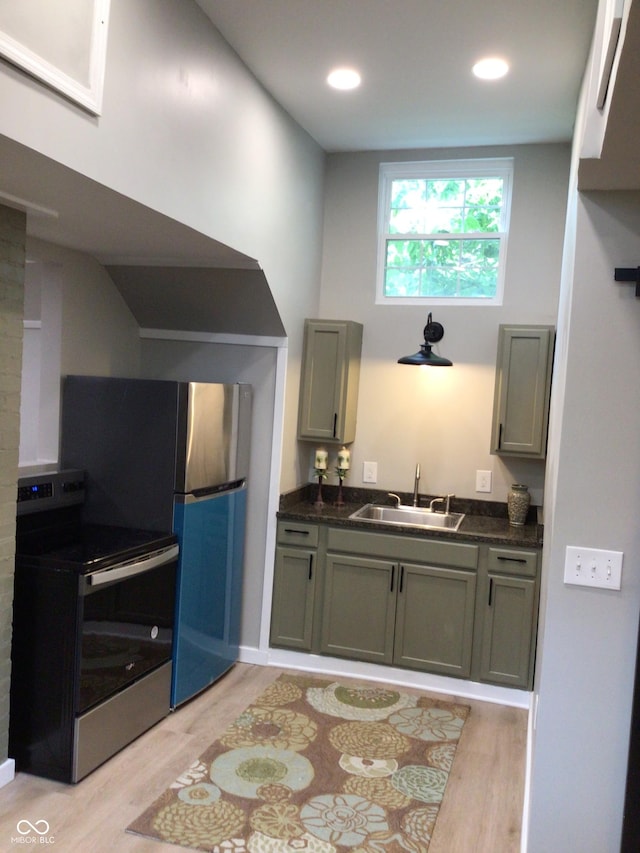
127,615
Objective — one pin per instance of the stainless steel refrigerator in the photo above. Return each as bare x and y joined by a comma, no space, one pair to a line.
163,455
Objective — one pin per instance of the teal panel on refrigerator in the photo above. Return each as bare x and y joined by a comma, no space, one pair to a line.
207,627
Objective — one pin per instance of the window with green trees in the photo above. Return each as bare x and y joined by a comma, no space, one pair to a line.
443,230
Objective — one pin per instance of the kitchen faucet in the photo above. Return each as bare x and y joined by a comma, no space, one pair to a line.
415,485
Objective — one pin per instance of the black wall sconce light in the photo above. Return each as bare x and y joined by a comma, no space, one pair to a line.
433,332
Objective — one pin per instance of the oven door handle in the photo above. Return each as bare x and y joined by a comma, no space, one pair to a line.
135,568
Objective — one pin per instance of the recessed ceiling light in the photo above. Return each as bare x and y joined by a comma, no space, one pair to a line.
344,78
490,68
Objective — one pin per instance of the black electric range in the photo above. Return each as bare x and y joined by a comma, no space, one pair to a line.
93,631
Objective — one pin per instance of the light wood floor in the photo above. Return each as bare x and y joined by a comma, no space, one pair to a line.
481,811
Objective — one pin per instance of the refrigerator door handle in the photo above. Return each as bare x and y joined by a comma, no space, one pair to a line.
207,494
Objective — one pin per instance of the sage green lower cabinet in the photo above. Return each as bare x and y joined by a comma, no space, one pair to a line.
510,618
380,607
448,607
358,612
434,619
294,586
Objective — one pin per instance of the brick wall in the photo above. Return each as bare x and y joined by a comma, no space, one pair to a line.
12,260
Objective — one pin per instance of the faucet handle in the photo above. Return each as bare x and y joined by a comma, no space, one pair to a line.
445,499
397,498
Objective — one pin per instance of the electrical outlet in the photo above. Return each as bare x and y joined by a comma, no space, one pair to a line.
369,472
593,567
483,481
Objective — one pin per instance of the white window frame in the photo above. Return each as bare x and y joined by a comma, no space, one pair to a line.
475,168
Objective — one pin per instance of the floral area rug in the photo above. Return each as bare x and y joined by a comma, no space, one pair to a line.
314,766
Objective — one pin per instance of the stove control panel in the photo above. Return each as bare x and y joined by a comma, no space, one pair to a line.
50,490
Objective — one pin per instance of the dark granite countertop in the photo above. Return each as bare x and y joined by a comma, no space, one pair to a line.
484,522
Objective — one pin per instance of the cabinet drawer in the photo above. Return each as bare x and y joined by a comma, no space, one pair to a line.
509,561
297,533
403,548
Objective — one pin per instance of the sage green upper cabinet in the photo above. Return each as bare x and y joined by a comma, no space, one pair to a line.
523,386
329,380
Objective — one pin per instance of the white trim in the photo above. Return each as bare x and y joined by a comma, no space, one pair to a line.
88,96
389,675
213,338
610,55
531,727
26,206
470,167
274,495
32,324
7,772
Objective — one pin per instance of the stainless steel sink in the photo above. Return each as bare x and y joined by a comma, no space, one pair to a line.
412,516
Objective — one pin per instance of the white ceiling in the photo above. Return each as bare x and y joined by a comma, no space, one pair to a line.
415,57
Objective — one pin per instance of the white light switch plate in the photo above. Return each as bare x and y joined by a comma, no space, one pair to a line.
593,567
369,472
483,481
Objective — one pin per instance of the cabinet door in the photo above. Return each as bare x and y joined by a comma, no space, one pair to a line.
329,380
508,631
523,380
359,608
434,619
293,598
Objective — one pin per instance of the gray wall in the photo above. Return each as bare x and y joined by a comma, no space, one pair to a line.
205,145
187,131
588,637
82,326
256,365
440,418
12,253
587,642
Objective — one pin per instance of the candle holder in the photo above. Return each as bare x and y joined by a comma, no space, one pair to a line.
342,473
321,474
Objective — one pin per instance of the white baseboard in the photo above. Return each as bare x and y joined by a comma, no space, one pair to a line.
7,772
389,674
531,735
250,654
